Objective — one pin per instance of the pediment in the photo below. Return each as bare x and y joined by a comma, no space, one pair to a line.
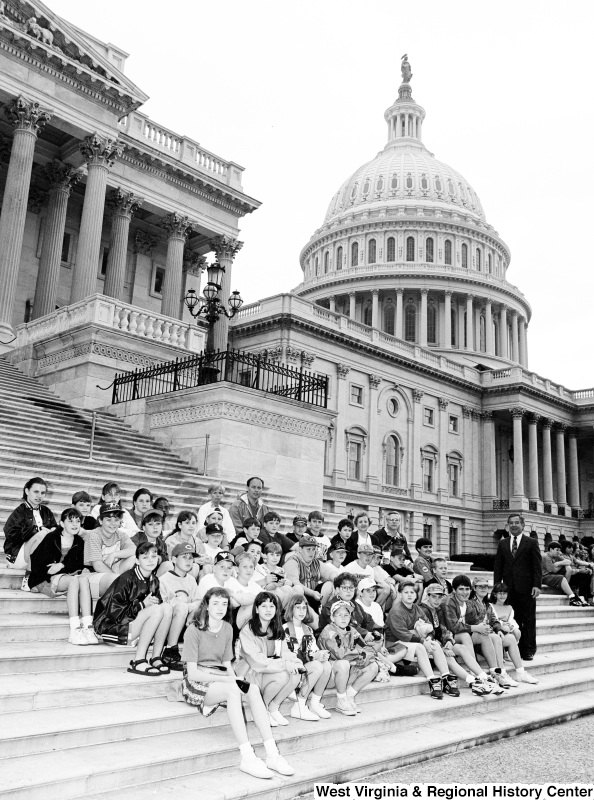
64,48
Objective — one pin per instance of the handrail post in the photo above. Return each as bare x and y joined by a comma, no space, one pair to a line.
93,427
300,384
114,394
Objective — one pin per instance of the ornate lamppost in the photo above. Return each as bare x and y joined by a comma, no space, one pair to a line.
210,305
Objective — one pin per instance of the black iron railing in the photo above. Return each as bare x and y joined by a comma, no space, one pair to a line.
234,366
500,505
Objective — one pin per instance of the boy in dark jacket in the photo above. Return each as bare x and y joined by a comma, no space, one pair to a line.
131,611
56,566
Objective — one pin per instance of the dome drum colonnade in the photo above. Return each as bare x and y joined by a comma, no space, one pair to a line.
402,225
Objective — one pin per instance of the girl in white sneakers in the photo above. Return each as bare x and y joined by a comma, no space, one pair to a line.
210,681
510,632
302,642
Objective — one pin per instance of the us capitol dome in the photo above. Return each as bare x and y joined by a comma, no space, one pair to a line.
405,247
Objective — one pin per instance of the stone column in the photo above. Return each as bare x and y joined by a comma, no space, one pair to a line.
373,453
352,301
399,314
547,462
177,227
447,320
62,178
442,476
490,345
574,480
533,493
333,304
469,321
124,204
468,451
523,344
225,249
515,340
503,332
560,453
423,320
340,455
489,456
27,118
477,328
417,478
375,308
518,493
461,326
100,155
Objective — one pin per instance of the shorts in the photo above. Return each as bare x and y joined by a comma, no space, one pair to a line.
411,649
194,693
19,562
94,581
553,580
50,588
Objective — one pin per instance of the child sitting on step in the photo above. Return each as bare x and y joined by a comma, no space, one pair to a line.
111,493
210,682
180,590
56,566
152,531
185,532
132,612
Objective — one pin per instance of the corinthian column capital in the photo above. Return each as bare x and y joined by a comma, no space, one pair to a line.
177,226
125,203
27,115
61,176
98,151
225,246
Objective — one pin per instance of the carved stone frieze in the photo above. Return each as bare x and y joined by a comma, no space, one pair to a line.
234,411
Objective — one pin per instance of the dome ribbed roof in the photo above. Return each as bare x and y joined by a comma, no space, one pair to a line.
405,175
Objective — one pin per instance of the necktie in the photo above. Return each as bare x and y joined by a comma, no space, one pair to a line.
514,546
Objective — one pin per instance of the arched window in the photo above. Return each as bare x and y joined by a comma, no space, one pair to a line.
478,259
354,254
409,182
464,256
394,182
366,186
453,327
410,323
424,183
317,266
392,461
391,249
410,249
367,314
448,252
371,251
339,258
389,313
490,263
431,323
438,186
379,184
326,261
429,250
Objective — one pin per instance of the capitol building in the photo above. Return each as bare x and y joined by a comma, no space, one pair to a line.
404,307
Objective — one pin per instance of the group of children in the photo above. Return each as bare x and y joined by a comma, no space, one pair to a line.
264,616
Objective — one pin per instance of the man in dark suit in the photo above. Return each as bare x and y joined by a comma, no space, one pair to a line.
518,564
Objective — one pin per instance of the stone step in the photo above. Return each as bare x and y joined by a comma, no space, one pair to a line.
14,601
46,657
572,625
117,765
358,759
564,641
33,628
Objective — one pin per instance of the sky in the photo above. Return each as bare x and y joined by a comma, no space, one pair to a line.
296,92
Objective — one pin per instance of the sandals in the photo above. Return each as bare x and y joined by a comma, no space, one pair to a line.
151,671
160,665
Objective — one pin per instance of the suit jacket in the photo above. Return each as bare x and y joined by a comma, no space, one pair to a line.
522,573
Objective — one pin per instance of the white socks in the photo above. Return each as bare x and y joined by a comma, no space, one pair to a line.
74,623
246,750
87,622
271,748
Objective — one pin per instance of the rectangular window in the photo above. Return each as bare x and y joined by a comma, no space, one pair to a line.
453,424
104,257
356,395
355,460
454,476
428,530
428,417
65,255
454,547
158,278
428,474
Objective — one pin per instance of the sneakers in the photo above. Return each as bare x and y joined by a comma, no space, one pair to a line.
525,677
449,685
255,766
317,708
351,697
280,765
278,719
25,583
509,681
301,711
573,601
496,688
77,636
436,690
89,635
344,706
480,688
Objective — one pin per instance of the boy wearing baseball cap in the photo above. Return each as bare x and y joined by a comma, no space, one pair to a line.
108,552
180,590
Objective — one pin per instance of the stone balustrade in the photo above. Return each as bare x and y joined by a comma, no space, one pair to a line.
115,315
139,127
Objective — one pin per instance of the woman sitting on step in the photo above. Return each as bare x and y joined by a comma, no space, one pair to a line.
56,566
26,527
210,681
